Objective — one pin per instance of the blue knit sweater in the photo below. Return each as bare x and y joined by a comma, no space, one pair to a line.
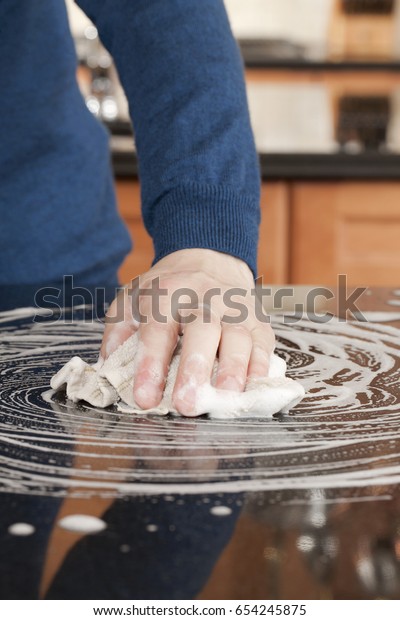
182,74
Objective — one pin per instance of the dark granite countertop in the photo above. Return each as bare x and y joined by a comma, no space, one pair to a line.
300,166
97,504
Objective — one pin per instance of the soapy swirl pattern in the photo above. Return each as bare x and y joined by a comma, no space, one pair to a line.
345,433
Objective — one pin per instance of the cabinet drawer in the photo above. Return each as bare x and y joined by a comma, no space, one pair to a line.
346,228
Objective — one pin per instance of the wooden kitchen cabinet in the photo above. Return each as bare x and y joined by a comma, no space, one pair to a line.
273,247
139,259
310,232
348,228
333,227
274,231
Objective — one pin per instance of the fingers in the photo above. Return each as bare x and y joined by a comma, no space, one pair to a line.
157,342
243,353
119,323
234,355
157,335
200,344
244,348
263,339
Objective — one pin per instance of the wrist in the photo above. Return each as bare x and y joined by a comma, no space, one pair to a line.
219,265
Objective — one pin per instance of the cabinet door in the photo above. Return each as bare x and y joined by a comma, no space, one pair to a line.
273,264
139,259
346,228
272,255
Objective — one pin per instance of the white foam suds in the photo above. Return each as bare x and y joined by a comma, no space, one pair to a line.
381,317
84,524
23,313
113,384
344,434
21,529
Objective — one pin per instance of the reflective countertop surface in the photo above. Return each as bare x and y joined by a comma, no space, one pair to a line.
97,504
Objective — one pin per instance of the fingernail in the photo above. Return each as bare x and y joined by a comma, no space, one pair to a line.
148,395
186,400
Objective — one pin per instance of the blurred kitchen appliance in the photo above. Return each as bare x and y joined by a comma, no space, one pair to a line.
363,123
363,29
98,80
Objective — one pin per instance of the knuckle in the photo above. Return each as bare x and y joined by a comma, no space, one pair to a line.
236,364
206,316
155,331
260,354
168,282
263,334
152,326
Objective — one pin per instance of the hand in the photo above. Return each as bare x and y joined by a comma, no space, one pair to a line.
213,281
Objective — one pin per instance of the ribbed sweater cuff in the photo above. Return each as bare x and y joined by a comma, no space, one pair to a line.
213,217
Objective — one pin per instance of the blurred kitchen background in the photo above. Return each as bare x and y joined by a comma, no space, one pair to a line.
323,79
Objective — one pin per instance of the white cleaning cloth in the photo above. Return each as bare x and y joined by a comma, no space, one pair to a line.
111,383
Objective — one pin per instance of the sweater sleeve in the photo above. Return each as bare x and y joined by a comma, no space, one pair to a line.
183,76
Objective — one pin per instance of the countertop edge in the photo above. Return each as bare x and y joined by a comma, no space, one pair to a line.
299,166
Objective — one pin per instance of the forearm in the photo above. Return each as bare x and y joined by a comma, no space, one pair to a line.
182,73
